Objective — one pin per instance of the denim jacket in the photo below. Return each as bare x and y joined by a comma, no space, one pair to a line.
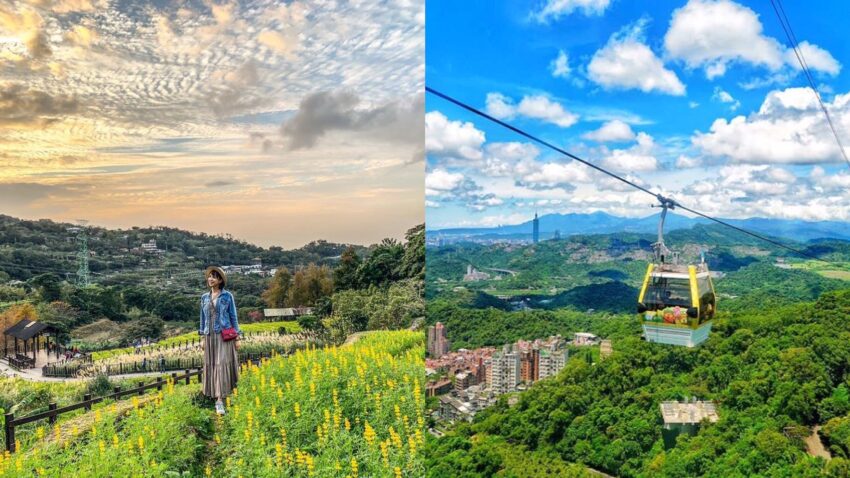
226,313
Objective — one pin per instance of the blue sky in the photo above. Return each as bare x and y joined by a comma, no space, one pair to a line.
701,100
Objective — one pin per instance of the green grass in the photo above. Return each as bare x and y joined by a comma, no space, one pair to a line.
836,270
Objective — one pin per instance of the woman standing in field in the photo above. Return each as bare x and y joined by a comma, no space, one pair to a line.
220,329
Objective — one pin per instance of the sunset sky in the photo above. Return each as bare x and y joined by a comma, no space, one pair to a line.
278,123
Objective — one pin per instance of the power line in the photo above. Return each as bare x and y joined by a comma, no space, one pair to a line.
658,196
789,33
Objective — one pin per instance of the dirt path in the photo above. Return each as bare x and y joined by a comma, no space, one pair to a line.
815,447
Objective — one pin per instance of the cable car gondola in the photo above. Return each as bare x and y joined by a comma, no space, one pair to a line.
677,301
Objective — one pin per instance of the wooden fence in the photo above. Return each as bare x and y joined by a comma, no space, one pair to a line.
53,411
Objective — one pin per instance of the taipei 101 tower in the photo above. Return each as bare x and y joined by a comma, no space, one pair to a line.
536,232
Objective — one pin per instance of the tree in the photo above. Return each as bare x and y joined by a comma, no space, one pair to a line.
382,266
48,286
345,274
145,327
413,262
277,295
309,285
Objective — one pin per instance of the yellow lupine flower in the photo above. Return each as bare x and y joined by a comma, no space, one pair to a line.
353,467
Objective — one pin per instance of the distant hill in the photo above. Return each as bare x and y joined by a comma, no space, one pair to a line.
603,223
30,247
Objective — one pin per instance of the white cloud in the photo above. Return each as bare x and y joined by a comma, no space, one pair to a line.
534,106
724,97
555,175
636,158
560,66
440,181
615,130
626,62
687,162
816,58
832,183
453,139
712,34
693,104
788,128
554,9
502,159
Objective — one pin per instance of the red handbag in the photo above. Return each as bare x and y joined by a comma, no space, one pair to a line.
229,334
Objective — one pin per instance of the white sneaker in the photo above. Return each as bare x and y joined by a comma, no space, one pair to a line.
219,407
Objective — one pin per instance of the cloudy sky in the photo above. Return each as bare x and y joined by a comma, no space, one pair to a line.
276,122
701,100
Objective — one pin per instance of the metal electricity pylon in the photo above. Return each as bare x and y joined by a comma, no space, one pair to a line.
82,255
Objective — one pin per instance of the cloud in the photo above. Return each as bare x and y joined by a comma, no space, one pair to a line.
554,175
444,186
534,106
816,58
712,34
278,42
81,35
28,26
554,9
326,111
687,162
21,106
452,139
788,128
237,91
502,159
724,97
615,130
560,66
218,184
71,6
626,62
636,158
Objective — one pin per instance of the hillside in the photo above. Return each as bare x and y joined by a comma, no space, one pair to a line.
773,372
321,412
28,248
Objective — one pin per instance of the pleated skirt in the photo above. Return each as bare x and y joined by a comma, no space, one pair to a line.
221,366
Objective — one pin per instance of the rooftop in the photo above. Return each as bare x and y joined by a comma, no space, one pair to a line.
688,412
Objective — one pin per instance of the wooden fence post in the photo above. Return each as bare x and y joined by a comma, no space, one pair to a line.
52,418
86,398
141,388
188,377
10,432
159,383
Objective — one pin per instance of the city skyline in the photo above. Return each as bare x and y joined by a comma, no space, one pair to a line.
250,118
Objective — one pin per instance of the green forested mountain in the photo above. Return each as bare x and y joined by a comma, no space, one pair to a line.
28,248
136,293
773,371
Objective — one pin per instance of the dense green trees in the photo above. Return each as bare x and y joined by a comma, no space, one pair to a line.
773,373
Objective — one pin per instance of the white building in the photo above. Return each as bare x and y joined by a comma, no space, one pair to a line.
551,362
504,372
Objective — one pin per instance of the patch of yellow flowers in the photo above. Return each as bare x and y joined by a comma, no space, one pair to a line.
314,412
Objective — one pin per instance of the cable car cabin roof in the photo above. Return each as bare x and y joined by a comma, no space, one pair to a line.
25,329
679,270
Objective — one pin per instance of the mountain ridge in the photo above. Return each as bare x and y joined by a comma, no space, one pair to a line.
604,223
